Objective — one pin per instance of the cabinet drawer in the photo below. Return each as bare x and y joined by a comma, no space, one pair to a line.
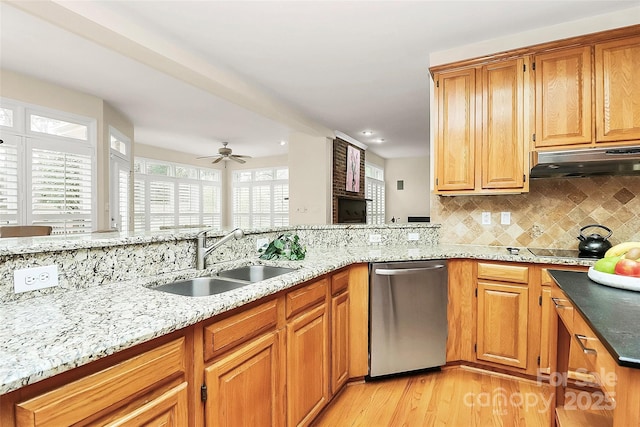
503,273
104,390
308,296
563,307
228,333
599,361
339,282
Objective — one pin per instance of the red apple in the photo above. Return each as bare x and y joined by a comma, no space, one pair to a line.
628,267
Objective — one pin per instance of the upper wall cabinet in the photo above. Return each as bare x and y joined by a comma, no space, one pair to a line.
456,130
565,86
618,90
563,97
480,129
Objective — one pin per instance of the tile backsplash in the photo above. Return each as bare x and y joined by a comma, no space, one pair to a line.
550,215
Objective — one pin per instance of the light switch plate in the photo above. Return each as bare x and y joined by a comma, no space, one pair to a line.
375,238
413,236
486,218
505,218
31,279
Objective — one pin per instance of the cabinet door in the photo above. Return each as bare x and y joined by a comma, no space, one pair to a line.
563,97
307,365
618,90
339,341
546,334
503,125
456,130
245,387
502,323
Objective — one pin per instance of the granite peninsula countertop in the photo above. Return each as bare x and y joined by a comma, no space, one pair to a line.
50,334
612,314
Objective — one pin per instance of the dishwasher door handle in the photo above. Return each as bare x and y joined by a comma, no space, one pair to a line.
403,271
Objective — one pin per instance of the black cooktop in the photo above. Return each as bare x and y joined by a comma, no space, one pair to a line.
560,253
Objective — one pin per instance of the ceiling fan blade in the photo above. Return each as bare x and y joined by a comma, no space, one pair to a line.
208,157
242,156
236,159
216,160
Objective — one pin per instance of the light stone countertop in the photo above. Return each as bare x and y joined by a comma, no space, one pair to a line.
43,336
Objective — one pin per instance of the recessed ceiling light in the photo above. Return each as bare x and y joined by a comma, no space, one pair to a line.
283,142
367,132
379,140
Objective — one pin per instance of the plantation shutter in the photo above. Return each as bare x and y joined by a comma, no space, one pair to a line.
61,193
161,204
8,182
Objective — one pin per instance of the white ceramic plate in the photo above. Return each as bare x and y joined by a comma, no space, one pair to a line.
614,280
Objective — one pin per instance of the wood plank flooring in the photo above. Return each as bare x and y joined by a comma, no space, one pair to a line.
461,397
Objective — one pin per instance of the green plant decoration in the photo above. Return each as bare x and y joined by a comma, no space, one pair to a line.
286,246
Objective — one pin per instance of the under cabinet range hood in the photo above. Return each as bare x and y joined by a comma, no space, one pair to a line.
586,162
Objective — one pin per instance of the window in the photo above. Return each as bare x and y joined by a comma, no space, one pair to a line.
374,192
261,198
47,168
170,195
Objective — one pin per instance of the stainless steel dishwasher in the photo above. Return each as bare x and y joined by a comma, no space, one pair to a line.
407,316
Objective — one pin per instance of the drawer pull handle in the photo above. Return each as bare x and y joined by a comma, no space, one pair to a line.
558,304
585,350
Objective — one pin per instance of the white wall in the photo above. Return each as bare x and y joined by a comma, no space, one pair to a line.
310,178
414,199
371,157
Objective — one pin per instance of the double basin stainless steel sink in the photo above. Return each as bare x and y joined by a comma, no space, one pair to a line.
224,281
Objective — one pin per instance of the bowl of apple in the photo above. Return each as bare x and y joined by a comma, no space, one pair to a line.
620,267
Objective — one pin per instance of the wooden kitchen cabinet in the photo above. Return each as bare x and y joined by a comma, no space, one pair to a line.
150,387
307,354
507,316
503,122
456,130
617,88
551,304
339,330
480,130
503,323
248,366
246,387
563,92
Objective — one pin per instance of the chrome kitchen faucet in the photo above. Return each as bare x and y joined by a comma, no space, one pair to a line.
202,250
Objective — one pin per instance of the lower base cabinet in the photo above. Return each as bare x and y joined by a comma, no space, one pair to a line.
246,388
307,366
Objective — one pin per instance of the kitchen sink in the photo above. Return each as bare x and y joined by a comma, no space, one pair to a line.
226,280
201,286
255,273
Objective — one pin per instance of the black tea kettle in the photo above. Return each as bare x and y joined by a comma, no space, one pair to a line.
594,245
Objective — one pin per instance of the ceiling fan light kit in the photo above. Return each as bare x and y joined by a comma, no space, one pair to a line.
225,153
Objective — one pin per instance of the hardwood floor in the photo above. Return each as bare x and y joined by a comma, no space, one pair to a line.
462,397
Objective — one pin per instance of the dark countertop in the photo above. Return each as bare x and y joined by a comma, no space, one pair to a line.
613,314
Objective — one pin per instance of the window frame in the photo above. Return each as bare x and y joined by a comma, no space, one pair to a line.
215,218
28,140
249,220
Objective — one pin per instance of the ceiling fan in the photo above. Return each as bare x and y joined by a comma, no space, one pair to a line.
224,153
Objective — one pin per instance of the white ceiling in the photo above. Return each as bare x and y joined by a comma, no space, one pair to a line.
190,74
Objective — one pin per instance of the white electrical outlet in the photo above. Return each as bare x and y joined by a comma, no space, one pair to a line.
486,218
505,218
375,238
261,242
413,236
30,279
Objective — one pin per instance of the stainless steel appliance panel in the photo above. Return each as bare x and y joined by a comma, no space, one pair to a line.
408,316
